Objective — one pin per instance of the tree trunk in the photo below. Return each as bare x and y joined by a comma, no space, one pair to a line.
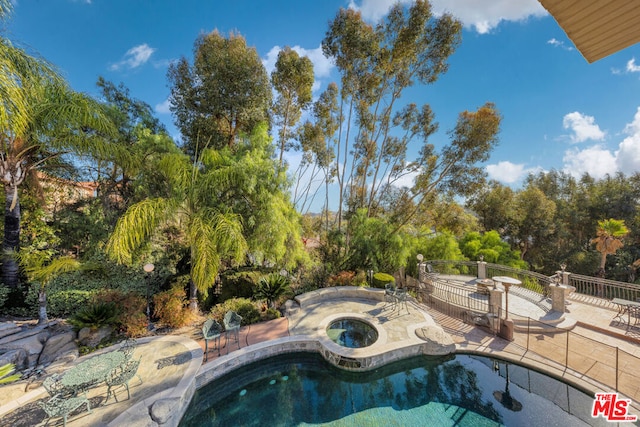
42,307
193,296
11,241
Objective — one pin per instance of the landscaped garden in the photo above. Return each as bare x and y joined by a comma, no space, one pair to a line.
112,226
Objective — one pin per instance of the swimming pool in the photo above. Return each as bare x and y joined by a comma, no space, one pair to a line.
462,390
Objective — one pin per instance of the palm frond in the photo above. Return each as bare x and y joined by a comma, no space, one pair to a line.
137,224
205,259
6,370
177,169
44,273
6,8
20,72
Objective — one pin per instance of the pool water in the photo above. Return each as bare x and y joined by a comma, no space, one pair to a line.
352,333
303,389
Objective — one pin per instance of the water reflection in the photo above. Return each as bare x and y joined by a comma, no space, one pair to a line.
460,390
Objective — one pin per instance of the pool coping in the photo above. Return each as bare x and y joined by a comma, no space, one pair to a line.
168,407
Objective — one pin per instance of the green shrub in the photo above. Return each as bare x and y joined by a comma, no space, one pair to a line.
381,279
270,314
271,288
4,294
239,284
171,307
96,315
360,279
244,307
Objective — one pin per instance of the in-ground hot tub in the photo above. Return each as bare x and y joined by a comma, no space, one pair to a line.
352,333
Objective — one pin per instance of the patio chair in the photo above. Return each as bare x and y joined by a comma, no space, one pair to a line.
120,377
232,321
211,330
389,294
59,406
401,298
52,385
128,347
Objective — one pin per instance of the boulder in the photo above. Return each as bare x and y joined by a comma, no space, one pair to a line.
92,337
32,344
437,341
57,347
163,409
9,328
19,357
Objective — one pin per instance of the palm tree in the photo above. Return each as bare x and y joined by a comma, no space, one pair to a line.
608,239
40,269
210,233
41,118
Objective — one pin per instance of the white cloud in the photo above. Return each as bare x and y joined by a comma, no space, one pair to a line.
628,154
507,172
597,161
632,67
163,107
558,43
135,57
321,65
583,127
483,16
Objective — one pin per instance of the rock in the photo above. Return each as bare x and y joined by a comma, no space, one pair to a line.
163,409
23,333
32,344
58,347
438,342
9,328
19,357
91,338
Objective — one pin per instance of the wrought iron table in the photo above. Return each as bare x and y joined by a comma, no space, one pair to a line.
92,371
626,307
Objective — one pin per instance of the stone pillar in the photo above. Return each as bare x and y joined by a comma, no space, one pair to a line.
495,305
565,277
482,270
422,274
557,297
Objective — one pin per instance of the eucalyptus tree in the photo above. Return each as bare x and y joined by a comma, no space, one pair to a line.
41,119
317,143
224,93
210,234
292,79
377,64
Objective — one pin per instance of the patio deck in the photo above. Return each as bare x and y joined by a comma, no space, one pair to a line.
170,363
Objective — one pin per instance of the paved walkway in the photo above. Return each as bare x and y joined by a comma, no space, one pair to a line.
170,361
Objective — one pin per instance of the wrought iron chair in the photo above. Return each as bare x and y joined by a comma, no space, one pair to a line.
59,406
120,377
128,347
52,385
389,294
211,330
232,321
401,298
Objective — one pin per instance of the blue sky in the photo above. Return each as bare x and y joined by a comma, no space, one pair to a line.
558,111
